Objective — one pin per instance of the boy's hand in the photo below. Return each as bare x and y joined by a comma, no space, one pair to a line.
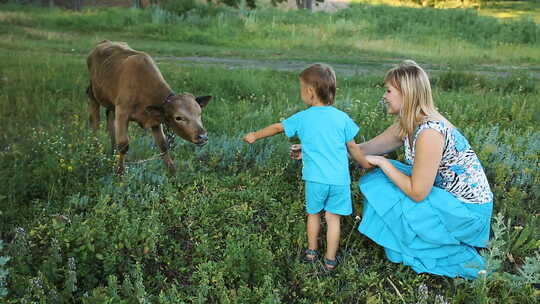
271,130
295,151
358,155
250,138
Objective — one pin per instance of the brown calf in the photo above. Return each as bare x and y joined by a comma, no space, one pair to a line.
131,88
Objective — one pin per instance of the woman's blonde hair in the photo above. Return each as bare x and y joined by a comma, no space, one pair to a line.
413,84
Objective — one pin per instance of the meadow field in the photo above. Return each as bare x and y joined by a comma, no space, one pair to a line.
229,227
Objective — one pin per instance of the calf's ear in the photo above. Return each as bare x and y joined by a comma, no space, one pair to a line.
157,112
203,100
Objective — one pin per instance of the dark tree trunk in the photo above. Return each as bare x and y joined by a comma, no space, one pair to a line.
137,3
76,5
304,4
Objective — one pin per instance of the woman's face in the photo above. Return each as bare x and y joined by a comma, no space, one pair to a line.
394,99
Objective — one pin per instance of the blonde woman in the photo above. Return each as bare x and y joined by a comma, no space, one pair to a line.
432,212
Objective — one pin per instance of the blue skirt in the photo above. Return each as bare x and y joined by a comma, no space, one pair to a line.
437,235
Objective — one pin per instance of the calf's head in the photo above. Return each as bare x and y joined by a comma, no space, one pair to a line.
182,113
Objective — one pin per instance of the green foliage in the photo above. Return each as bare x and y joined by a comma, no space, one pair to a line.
457,23
516,82
178,7
229,227
238,3
360,31
3,273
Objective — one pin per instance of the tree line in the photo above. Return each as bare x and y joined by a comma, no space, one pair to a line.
186,4
79,4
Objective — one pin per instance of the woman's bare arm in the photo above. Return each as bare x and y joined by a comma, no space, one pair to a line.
383,143
428,155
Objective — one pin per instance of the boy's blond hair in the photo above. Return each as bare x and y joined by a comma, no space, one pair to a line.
323,79
413,84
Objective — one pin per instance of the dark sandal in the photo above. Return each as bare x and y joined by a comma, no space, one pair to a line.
333,263
312,252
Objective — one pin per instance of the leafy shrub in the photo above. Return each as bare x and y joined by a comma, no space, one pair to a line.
178,7
453,80
3,273
237,3
519,83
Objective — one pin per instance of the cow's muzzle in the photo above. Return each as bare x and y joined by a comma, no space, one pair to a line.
202,140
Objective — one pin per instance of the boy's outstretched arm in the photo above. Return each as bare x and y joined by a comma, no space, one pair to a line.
357,154
271,130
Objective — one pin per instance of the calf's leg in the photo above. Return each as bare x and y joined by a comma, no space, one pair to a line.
161,142
121,121
93,109
110,129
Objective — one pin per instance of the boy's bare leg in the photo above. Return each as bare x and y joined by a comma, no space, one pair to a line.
333,234
313,228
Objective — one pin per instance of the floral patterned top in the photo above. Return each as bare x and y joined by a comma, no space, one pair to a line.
460,171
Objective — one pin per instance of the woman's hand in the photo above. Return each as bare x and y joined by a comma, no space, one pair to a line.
376,160
429,149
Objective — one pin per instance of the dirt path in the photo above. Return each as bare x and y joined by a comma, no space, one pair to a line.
277,65
360,69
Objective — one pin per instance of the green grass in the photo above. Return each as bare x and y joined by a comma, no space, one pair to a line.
359,33
517,9
513,10
230,226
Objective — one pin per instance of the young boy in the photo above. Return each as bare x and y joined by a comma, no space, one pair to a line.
326,135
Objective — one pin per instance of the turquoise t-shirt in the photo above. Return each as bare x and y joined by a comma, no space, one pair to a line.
323,133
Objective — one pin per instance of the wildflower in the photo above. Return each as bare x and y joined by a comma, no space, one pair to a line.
423,293
439,299
71,264
482,272
54,243
36,282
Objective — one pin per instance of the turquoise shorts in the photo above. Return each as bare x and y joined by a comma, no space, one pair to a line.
332,198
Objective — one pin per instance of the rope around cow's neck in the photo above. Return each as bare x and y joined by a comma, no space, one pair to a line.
171,142
138,162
